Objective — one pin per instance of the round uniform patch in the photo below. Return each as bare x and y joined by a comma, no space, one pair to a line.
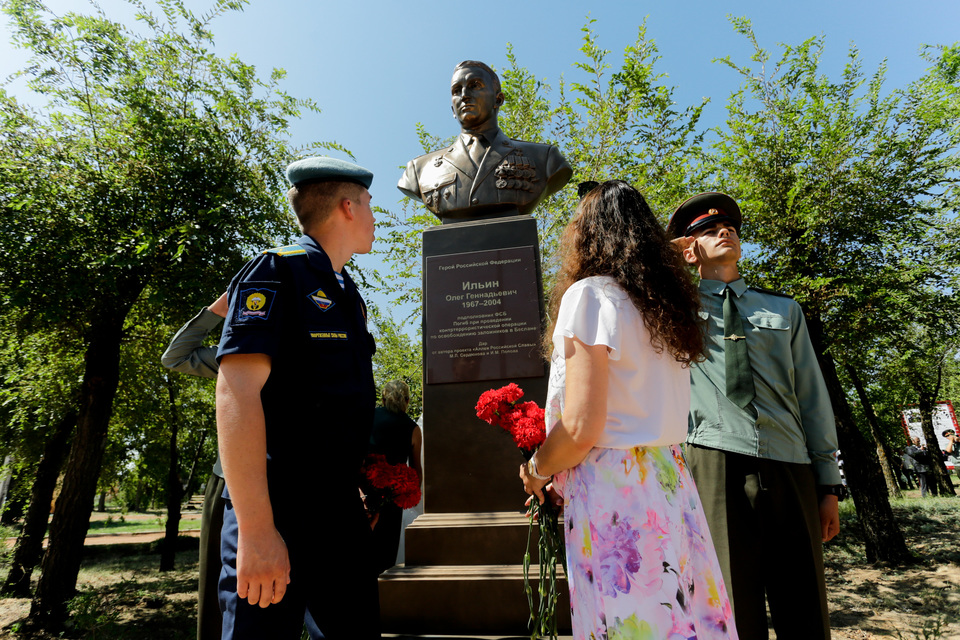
255,301
254,304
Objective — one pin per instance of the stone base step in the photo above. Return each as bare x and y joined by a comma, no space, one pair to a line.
461,599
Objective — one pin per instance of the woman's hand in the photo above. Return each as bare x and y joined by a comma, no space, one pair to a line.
552,495
533,486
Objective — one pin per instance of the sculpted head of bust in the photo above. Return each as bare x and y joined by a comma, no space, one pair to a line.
475,95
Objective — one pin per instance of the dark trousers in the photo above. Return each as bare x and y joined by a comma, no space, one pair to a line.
333,590
386,537
923,482
765,523
208,594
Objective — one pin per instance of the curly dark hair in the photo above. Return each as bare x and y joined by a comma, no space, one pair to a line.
614,233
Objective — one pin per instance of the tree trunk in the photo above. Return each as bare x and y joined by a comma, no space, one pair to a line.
175,489
872,420
940,481
882,536
29,547
102,502
71,518
896,464
193,465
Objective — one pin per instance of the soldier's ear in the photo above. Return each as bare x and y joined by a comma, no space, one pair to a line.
499,100
346,208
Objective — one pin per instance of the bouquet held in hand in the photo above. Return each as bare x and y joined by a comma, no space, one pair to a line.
384,483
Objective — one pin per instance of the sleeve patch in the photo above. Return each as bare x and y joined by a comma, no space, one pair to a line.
254,304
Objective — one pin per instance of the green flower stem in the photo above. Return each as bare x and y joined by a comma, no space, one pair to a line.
550,545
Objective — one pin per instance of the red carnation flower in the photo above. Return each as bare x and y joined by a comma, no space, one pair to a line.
524,421
385,483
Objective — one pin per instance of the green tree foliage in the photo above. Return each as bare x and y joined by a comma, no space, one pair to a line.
397,358
151,170
849,201
40,375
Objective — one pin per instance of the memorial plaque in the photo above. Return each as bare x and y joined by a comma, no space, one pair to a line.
483,316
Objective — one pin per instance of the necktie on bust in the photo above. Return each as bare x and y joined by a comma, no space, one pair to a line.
476,147
740,389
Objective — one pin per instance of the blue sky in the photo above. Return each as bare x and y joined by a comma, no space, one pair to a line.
379,67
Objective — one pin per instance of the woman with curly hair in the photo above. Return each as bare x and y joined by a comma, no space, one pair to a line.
625,328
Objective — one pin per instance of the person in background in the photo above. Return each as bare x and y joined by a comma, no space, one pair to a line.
953,449
624,332
917,457
906,470
397,437
186,353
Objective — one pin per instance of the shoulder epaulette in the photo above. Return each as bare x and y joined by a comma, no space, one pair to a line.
288,250
771,292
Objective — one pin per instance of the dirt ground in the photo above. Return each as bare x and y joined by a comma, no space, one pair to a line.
916,602
122,595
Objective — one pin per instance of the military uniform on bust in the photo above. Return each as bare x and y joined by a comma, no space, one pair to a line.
511,174
484,173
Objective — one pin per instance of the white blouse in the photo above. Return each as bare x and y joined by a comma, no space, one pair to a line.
648,395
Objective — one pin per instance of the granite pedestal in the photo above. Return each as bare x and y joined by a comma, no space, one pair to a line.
483,323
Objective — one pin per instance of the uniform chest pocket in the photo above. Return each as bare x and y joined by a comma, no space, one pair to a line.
770,332
767,320
439,189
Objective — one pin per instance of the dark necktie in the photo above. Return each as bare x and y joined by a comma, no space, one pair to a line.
740,389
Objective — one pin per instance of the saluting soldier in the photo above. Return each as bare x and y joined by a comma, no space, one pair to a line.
186,353
484,173
762,440
295,402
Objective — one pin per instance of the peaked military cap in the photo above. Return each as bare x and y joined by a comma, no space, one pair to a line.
701,210
324,169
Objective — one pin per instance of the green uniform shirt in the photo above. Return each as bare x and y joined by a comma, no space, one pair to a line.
187,354
791,419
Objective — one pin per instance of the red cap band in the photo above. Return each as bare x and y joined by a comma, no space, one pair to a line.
709,214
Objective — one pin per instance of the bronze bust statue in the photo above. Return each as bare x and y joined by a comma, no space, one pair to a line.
484,173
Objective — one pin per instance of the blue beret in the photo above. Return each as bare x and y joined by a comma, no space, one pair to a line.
324,169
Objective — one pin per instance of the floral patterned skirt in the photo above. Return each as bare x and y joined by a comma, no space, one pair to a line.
640,560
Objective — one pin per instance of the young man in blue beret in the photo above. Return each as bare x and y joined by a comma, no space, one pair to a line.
295,401
762,442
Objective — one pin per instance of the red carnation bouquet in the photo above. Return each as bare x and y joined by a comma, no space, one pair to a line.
385,483
525,423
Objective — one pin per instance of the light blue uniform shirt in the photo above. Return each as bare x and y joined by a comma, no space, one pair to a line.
791,419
